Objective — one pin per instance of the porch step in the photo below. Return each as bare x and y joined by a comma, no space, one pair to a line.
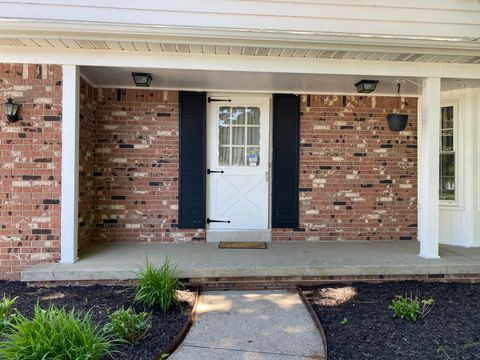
281,265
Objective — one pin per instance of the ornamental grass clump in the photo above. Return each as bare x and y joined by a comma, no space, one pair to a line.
7,313
158,286
410,308
56,334
128,325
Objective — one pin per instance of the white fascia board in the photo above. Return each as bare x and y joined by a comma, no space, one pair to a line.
19,28
236,63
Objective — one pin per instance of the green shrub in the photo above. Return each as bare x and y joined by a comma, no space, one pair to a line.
7,313
158,286
128,325
410,308
55,334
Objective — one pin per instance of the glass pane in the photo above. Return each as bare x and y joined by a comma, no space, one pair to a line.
253,156
224,135
238,115
253,116
253,136
447,164
447,142
447,188
238,156
447,176
224,155
447,117
224,116
238,135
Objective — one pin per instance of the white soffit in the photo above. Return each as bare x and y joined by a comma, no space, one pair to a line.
317,51
205,80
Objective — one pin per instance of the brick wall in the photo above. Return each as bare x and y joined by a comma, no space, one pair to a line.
30,167
358,179
134,176
88,120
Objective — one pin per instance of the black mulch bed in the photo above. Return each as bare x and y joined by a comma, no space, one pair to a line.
102,300
450,331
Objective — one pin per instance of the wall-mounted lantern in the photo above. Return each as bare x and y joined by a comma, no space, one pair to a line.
142,79
10,108
366,86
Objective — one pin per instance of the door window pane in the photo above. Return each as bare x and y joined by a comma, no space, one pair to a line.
238,156
224,135
253,137
239,136
224,155
253,156
253,115
238,115
224,115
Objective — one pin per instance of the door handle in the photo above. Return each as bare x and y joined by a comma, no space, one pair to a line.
214,171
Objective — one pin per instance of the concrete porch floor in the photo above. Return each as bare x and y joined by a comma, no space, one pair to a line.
294,259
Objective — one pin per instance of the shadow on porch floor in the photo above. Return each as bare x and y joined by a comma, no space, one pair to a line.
288,259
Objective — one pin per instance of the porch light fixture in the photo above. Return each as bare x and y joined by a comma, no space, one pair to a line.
366,86
142,79
10,108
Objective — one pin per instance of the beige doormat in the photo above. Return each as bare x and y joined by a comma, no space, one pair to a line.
242,245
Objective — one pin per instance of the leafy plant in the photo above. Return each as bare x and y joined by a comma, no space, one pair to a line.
128,325
55,334
410,308
7,313
158,286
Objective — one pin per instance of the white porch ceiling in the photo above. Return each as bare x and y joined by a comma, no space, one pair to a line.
265,82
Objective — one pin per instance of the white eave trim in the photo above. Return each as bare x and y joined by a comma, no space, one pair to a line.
20,28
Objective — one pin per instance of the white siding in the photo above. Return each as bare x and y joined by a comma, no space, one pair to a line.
407,18
459,225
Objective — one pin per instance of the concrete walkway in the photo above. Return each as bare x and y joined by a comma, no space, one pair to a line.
201,260
263,325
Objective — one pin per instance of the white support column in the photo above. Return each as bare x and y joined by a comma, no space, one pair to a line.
428,169
70,159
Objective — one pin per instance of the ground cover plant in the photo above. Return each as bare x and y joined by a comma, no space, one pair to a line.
128,325
410,308
358,322
101,302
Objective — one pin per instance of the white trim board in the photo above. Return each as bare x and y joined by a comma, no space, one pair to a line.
237,63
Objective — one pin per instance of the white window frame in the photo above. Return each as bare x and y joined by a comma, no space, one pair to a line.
458,146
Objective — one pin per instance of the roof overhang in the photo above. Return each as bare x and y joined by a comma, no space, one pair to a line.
297,44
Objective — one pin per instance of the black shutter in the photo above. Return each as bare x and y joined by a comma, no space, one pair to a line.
286,132
192,168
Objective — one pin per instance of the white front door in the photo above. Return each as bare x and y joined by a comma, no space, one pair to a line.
238,163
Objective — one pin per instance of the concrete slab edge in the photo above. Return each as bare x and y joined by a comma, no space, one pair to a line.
59,273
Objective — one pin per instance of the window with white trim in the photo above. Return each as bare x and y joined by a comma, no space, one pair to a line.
448,153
